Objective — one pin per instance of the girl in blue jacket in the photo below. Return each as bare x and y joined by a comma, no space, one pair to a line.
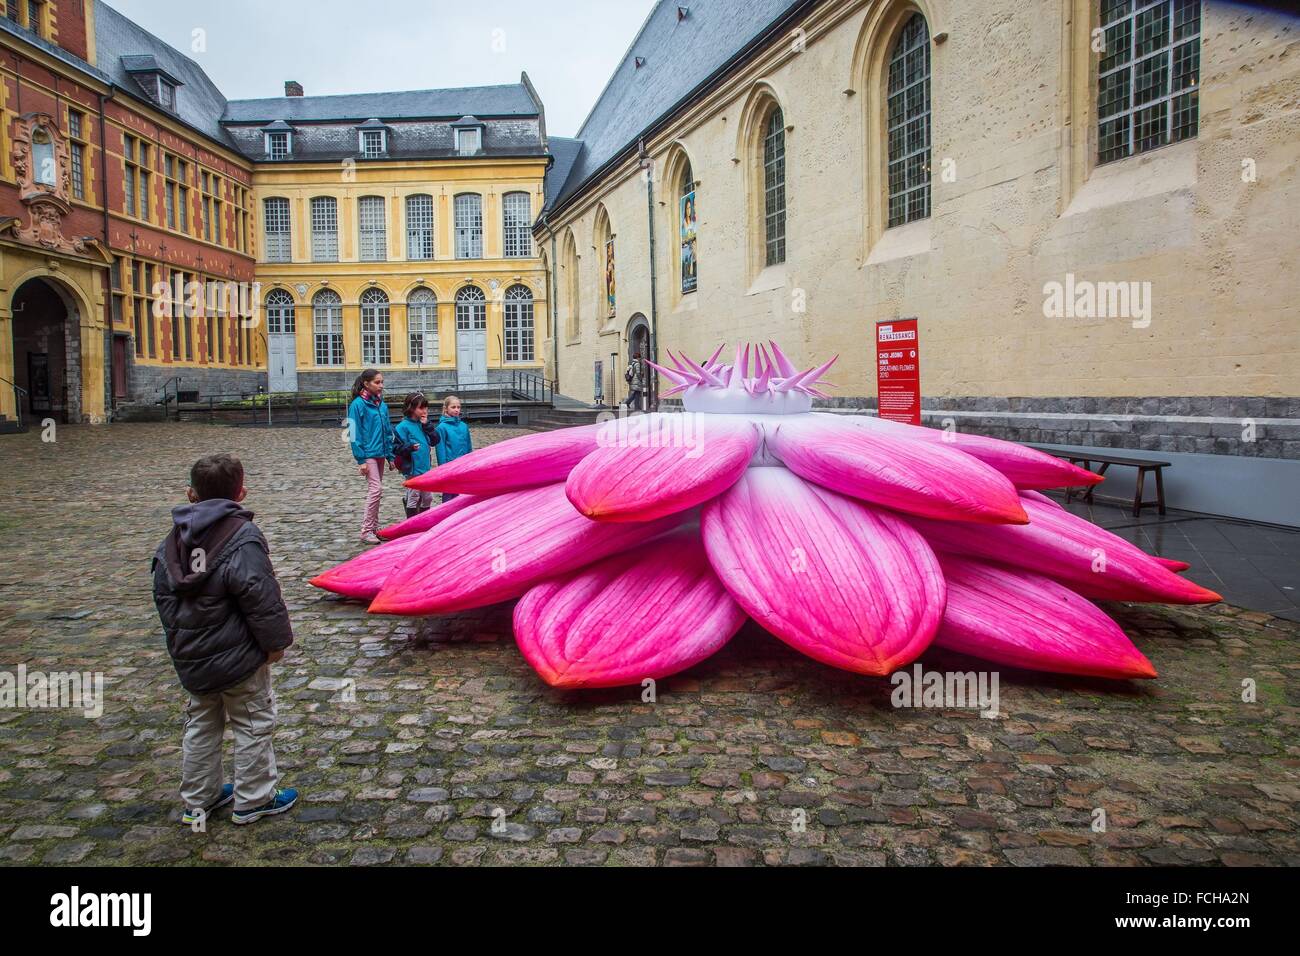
411,440
371,436
453,435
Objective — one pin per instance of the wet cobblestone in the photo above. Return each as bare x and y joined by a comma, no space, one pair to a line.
454,753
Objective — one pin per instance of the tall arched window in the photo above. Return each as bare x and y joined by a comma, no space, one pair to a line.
376,341
327,327
471,309
774,187
569,284
1147,76
687,227
908,127
279,312
517,216
422,326
277,229
519,324
469,226
605,249
419,227
324,229
373,229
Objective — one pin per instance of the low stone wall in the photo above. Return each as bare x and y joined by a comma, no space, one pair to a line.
145,382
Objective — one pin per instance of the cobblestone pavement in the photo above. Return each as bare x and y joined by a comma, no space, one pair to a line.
450,726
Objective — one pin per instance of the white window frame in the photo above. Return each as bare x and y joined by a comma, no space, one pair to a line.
277,242
363,143
324,229
279,137
281,316
376,328
419,227
372,228
471,309
327,328
422,327
517,225
469,225
518,325
462,147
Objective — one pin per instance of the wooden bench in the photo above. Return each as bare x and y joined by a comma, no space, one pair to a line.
1087,459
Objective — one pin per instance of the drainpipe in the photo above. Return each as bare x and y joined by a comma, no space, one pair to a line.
651,378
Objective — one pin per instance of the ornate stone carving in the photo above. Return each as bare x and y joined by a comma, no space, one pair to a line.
42,163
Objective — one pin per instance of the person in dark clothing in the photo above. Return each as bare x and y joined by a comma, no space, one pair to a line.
226,623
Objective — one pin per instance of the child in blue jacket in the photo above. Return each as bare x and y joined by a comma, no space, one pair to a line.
453,434
371,436
411,442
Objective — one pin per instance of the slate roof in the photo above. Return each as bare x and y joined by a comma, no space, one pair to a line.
510,99
198,102
679,56
565,151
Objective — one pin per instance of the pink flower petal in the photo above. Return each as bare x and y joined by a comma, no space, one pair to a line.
684,462
363,576
524,462
919,478
427,519
1025,467
1041,498
499,549
845,583
647,613
1075,552
1020,619
1171,563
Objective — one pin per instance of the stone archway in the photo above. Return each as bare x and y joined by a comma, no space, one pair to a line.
47,350
638,347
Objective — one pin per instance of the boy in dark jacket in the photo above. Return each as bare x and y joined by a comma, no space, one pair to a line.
226,623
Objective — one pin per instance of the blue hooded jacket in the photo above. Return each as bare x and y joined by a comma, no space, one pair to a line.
455,439
410,430
372,433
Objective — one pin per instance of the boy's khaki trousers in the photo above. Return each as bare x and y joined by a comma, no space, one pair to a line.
249,706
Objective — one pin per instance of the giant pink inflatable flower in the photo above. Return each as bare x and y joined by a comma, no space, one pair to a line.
637,547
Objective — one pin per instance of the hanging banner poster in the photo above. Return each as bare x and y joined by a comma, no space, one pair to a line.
687,227
898,371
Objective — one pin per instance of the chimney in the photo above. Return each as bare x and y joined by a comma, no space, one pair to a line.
292,88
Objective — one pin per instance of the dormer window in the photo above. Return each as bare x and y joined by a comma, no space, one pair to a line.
153,79
277,145
373,139
166,93
469,141
469,135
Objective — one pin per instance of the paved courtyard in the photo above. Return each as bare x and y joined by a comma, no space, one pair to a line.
450,729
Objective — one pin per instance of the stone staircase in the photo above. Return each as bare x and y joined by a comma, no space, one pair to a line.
8,426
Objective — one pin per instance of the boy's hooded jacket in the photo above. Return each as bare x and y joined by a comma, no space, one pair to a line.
410,431
372,432
455,439
217,596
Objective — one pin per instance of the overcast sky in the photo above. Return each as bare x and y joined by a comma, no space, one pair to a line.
342,46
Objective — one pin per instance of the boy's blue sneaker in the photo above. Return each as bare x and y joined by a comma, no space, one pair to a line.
282,801
190,817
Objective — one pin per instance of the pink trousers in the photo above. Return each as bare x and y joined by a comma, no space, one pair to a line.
374,494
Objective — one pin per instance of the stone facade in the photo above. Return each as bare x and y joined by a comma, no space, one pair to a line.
1019,201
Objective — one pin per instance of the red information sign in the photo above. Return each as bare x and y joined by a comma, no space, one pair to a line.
898,371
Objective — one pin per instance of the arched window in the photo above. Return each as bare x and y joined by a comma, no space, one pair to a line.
605,249
774,187
279,312
687,228
43,164
376,343
517,215
469,226
372,226
471,309
908,128
1147,76
276,229
519,324
327,327
419,227
324,229
422,326
569,284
